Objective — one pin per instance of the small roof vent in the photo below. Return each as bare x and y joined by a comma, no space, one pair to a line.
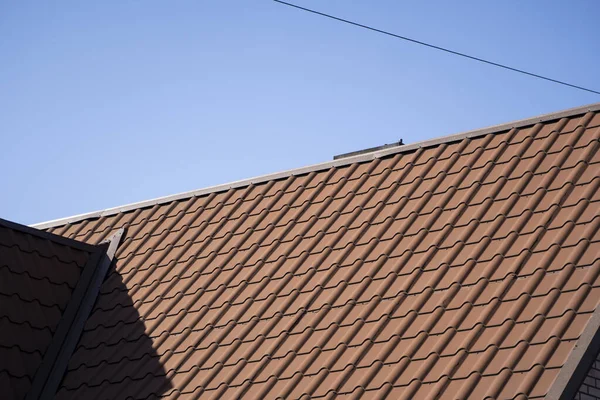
369,150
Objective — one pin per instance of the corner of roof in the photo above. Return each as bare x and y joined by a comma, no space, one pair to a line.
325,165
49,375
47,235
578,363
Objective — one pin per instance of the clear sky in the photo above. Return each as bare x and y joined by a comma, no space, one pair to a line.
104,103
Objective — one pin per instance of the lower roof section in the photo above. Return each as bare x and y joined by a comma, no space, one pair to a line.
38,276
46,293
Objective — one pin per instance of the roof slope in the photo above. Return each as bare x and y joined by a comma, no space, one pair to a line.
38,275
466,268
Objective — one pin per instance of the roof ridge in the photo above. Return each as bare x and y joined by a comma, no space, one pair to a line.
324,165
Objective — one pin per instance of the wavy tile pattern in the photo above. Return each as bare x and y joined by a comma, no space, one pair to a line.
37,278
463,270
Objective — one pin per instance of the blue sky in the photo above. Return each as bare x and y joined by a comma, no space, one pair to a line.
112,102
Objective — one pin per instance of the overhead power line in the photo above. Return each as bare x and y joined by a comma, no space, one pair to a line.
457,53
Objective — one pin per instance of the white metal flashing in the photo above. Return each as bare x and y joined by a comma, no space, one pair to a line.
323,166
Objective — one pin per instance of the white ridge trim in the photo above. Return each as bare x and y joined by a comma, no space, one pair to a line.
322,166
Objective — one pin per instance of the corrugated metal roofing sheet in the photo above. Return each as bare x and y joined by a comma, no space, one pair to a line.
465,269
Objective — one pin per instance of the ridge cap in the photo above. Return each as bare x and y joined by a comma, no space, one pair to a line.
321,166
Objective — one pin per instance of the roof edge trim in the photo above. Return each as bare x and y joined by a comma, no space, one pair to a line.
574,371
62,330
54,364
325,165
85,304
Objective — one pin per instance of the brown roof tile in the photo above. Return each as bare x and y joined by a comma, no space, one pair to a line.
37,278
467,268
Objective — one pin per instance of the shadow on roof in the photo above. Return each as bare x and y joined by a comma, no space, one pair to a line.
115,357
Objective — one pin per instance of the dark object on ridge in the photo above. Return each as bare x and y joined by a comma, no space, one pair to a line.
369,150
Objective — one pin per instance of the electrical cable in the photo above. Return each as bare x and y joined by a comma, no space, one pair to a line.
457,53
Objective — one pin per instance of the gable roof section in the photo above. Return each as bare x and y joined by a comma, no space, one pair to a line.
42,280
466,267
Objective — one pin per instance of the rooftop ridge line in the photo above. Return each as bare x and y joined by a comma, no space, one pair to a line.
323,166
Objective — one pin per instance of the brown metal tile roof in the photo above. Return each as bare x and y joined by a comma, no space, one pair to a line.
464,268
37,278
